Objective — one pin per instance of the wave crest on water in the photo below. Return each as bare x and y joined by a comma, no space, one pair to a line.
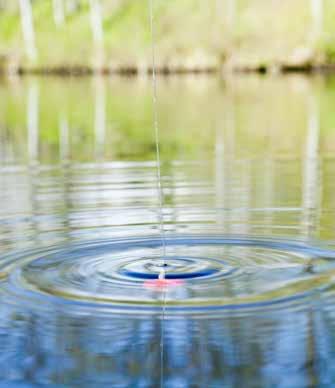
207,272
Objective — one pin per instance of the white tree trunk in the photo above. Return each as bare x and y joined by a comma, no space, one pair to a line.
58,11
317,15
230,13
226,12
96,21
97,31
28,28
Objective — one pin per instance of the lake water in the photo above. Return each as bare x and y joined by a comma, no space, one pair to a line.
248,176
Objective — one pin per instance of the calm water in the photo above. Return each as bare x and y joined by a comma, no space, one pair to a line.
248,174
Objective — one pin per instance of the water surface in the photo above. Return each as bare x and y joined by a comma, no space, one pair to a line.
247,175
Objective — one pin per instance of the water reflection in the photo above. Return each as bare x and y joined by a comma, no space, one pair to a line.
33,121
246,156
264,350
252,116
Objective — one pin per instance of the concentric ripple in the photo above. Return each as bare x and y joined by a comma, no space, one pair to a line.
201,272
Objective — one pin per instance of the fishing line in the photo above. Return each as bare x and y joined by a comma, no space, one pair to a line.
159,184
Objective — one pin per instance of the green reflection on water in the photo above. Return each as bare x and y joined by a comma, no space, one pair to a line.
268,142
112,118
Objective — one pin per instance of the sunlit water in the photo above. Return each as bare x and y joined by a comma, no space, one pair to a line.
248,182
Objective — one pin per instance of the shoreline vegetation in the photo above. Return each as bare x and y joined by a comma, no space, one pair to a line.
129,71
87,37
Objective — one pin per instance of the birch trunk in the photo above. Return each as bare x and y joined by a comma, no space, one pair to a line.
97,30
58,12
317,15
28,28
96,21
231,11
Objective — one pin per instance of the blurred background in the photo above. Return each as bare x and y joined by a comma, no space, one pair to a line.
114,35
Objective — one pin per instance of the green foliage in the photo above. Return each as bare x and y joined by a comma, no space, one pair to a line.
328,47
188,31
